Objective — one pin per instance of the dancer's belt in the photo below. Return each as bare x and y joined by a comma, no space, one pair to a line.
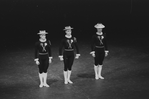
69,49
43,53
99,46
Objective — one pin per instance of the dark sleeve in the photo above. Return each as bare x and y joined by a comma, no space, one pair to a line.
49,48
105,42
36,50
93,43
76,45
61,47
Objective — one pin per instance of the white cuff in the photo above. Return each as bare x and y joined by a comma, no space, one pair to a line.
106,51
50,57
78,54
36,59
60,56
93,52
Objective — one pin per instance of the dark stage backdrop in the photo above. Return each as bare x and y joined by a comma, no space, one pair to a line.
21,20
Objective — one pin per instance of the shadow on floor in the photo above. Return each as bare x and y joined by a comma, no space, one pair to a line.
86,75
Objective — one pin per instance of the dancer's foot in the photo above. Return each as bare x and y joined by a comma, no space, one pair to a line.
46,85
96,78
101,77
66,82
69,81
41,85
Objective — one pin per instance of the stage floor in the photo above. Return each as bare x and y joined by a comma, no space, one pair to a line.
125,71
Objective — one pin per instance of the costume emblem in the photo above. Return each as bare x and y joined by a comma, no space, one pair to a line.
43,46
100,39
69,43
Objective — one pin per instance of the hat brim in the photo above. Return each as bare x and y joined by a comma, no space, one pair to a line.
99,27
42,33
68,29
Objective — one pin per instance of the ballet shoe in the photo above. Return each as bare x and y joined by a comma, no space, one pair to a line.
101,77
46,85
41,85
69,81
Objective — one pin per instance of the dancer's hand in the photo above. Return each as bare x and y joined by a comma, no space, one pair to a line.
77,56
37,61
106,53
50,59
93,53
61,58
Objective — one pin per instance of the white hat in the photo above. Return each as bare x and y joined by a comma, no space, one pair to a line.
99,25
68,28
42,32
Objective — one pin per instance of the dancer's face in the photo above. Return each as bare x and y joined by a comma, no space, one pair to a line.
42,36
68,32
99,30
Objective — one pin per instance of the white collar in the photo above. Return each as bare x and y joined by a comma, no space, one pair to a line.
41,40
99,33
68,36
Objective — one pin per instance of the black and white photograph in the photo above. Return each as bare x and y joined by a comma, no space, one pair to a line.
74,49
